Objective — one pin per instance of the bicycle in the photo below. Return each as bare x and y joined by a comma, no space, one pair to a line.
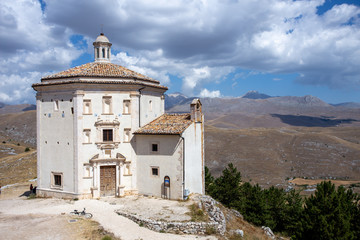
81,214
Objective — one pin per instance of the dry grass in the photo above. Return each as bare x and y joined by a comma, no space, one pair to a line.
301,182
271,156
86,229
197,214
16,165
233,222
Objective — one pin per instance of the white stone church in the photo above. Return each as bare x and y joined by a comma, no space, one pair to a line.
102,131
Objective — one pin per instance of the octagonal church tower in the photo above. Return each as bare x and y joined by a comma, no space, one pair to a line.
102,131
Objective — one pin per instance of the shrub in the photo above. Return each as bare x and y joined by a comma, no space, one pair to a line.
197,214
27,149
106,238
210,230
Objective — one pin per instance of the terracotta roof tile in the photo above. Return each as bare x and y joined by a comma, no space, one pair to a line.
167,124
98,69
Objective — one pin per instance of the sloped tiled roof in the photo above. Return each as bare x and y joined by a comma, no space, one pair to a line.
99,69
100,81
167,124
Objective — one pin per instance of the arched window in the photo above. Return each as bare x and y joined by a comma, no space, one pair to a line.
97,53
103,52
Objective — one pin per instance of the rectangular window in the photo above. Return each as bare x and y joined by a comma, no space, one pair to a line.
56,180
56,105
126,106
127,134
154,147
87,106
155,171
87,138
107,135
107,105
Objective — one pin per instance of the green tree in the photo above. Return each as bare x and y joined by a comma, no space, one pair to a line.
275,208
227,186
330,213
252,204
293,213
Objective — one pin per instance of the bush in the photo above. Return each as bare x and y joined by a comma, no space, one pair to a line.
106,238
210,230
197,214
27,149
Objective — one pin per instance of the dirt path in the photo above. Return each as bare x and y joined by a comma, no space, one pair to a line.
48,219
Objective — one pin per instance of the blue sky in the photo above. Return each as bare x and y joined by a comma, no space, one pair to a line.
197,47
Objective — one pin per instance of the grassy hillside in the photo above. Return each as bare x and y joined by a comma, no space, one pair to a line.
19,127
16,165
272,156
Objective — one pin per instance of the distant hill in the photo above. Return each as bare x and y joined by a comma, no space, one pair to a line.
255,95
174,99
347,105
240,112
6,109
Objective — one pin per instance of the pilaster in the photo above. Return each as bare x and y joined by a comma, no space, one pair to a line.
38,138
78,127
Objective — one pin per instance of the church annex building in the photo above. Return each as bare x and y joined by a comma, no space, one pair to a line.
102,130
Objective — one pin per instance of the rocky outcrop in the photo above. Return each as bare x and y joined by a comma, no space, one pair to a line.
216,224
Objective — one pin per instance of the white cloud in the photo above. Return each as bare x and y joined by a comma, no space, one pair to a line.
210,94
29,49
198,41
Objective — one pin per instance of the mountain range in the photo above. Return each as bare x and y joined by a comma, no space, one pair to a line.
256,109
269,139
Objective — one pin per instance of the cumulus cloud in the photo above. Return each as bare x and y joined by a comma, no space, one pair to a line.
29,49
266,35
199,41
210,94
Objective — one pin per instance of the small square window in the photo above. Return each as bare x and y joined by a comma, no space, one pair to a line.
155,171
154,147
57,180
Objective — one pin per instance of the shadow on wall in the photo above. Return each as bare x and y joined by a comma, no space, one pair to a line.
309,121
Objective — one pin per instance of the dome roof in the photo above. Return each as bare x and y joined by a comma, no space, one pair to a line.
102,38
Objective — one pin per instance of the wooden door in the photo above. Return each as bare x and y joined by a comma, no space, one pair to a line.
107,180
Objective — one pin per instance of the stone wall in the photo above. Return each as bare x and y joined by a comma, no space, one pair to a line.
217,223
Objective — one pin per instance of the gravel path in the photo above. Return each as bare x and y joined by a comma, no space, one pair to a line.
36,210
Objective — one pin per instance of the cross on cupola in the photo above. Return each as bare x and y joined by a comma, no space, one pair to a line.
102,49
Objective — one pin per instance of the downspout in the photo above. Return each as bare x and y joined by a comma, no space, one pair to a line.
183,183
139,106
